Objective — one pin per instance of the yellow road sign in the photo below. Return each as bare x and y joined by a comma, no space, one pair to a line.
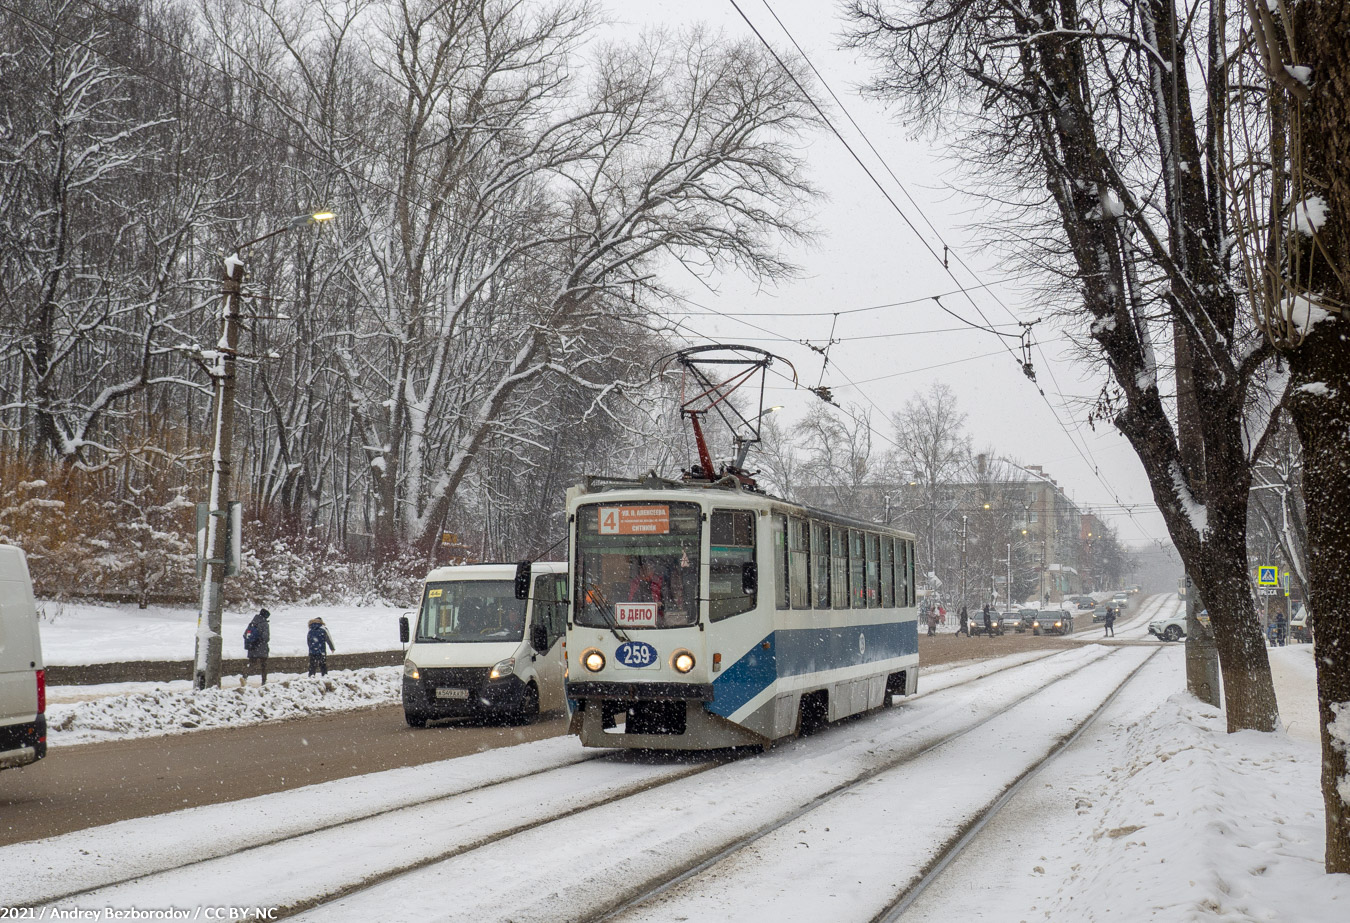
1267,576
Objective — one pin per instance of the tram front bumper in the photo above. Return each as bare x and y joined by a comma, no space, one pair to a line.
659,716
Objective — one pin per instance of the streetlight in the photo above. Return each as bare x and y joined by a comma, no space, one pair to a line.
206,666
743,443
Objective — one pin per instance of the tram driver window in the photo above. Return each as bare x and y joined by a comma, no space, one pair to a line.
731,536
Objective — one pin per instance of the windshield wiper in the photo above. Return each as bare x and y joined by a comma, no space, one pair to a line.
604,608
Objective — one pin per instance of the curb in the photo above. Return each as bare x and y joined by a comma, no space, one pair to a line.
163,671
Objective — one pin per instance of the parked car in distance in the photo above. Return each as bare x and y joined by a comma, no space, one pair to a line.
1053,622
995,622
1174,628
1300,630
1011,621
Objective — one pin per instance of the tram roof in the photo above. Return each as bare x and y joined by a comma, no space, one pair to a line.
595,483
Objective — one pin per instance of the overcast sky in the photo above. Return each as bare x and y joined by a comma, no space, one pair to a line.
867,255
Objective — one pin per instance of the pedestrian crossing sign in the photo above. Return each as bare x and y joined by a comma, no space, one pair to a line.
1267,576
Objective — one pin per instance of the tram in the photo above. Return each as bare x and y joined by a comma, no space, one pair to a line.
706,613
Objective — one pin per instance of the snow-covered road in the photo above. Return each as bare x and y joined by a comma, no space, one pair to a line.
640,822
835,826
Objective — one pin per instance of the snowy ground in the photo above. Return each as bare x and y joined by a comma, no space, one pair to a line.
1154,813
117,711
82,633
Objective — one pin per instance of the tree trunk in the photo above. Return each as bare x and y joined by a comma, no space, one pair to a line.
1319,401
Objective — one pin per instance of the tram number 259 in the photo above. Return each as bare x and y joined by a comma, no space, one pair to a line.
635,654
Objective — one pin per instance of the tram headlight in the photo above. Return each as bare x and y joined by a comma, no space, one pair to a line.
593,660
502,669
682,661
410,670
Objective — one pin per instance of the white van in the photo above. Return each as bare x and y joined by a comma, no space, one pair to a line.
488,641
23,680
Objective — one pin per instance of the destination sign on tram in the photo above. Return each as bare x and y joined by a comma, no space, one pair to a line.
635,520
635,615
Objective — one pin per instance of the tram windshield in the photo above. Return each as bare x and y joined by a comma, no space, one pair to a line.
471,610
638,565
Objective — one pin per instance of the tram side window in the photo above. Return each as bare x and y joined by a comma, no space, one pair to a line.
909,576
778,533
838,568
887,571
902,573
857,570
799,562
820,564
873,571
732,537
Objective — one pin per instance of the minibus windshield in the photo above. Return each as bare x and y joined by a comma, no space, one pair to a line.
638,565
471,610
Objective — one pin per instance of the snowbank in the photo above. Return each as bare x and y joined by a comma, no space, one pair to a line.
165,710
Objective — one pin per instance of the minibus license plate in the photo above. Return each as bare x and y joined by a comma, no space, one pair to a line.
452,693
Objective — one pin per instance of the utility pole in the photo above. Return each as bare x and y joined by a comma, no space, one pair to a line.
963,560
1010,596
206,664
206,669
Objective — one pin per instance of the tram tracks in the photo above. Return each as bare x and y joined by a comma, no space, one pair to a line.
958,844
606,781
641,866
948,851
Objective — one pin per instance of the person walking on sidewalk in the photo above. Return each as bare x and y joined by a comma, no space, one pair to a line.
1110,623
320,643
256,646
964,628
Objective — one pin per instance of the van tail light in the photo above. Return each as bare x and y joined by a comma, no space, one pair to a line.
42,691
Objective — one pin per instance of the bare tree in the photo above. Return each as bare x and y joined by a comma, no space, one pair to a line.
1297,244
504,216
836,465
932,454
1124,218
993,497
94,241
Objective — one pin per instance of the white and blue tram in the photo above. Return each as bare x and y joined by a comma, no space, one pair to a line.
706,615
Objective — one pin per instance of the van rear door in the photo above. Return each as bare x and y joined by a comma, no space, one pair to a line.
21,721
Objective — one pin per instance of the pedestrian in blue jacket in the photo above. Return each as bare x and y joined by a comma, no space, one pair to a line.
256,638
320,643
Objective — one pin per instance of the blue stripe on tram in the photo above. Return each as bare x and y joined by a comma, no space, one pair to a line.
795,651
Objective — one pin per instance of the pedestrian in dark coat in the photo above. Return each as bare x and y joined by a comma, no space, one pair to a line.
320,643
1110,623
965,623
257,636
988,623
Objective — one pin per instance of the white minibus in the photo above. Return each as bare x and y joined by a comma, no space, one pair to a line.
488,641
